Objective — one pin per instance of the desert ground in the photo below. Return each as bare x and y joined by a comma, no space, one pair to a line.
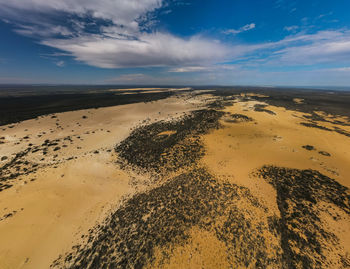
175,178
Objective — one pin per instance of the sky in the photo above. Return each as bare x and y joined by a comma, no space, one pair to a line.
175,42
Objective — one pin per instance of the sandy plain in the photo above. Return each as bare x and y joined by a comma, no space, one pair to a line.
75,185
221,187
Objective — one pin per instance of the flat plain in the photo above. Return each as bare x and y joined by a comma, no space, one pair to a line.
175,178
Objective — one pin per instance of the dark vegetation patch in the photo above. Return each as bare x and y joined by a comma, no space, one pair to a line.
9,215
332,102
341,131
217,104
261,108
317,117
237,118
324,153
16,167
163,217
220,103
147,150
19,108
305,241
22,164
335,129
308,147
315,125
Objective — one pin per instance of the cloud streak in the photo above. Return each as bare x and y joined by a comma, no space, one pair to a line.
155,49
244,28
331,47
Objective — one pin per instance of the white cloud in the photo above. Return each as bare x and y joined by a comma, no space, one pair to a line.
116,50
45,18
187,69
43,30
240,30
154,49
286,5
60,63
325,15
208,68
119,11
310,49
326,52
118,42
292,28
341,69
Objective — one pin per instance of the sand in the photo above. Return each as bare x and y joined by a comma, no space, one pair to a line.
69,196
221,208
278,140
235,151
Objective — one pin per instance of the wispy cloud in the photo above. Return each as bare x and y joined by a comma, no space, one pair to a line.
310,49
325,15
203,69
292,28
187,69
286,5
244,28
60,63
43,30
341,69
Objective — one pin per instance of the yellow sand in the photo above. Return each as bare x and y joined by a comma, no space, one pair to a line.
167,133
298,100
64,202
235,151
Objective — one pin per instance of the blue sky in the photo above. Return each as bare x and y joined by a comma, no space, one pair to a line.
184,42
